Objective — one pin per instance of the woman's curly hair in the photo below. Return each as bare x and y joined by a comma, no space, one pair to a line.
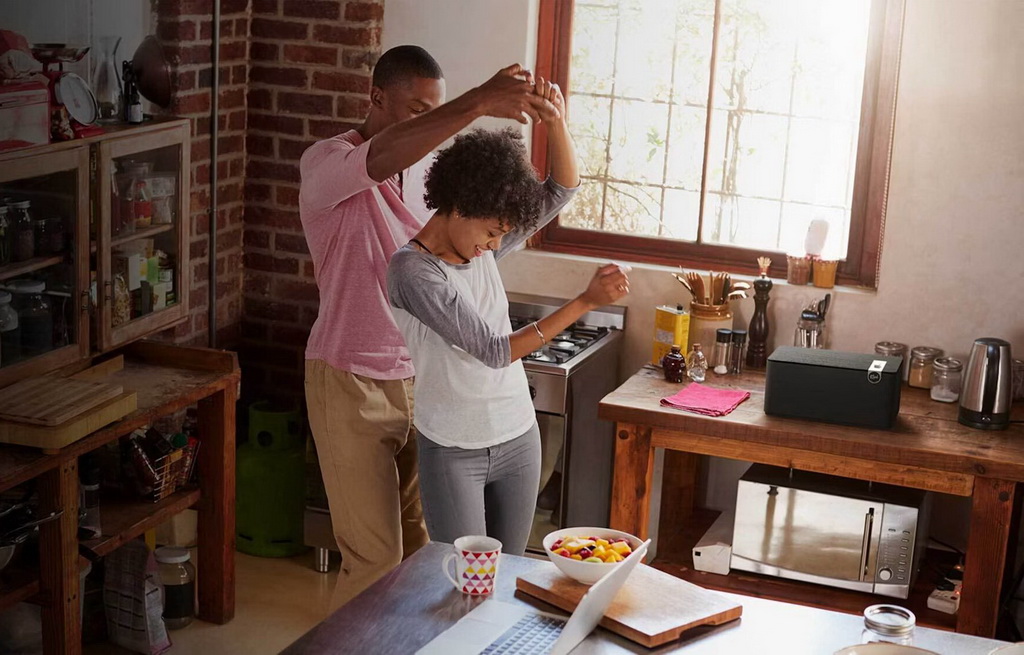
486,174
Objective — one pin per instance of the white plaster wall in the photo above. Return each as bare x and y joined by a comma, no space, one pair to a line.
953,254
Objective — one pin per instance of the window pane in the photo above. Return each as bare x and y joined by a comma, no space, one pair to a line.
686,147
638,141
695,21
774,62
593,49
588,124
633,209
586,209
681,211
641,72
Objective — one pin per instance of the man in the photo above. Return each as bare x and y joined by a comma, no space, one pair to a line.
358,372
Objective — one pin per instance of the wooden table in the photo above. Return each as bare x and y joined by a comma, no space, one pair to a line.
167,379
407,608
927,449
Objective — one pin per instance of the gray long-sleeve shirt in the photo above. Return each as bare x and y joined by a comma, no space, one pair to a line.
455,322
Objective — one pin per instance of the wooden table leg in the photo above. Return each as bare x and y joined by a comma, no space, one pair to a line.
58,561
631,481
216,524
991,512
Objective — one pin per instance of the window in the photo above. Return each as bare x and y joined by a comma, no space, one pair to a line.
713,131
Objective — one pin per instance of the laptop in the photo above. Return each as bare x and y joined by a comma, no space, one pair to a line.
498,628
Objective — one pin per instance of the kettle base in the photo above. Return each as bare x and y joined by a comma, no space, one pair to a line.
983,420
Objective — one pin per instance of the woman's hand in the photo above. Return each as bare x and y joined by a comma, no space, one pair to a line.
608,285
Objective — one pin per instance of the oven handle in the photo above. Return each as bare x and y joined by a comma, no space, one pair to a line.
865,542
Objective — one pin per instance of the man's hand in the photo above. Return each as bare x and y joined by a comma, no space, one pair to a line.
510,94
549,91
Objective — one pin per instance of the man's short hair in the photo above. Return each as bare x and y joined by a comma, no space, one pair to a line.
403,63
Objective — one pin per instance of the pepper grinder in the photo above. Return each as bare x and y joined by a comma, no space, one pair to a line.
757,350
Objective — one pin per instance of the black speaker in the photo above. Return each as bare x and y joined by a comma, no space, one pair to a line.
834,387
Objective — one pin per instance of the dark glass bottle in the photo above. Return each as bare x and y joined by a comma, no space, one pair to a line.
674,365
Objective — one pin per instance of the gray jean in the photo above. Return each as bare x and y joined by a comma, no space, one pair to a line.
489,491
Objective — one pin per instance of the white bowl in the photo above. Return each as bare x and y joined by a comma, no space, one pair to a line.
586,572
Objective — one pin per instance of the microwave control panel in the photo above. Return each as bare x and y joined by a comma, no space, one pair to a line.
895,562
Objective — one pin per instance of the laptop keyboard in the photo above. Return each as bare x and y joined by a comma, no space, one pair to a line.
532,634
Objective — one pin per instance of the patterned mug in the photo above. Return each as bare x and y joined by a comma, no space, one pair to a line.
476,564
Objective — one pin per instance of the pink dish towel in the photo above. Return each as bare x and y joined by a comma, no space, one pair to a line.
708,401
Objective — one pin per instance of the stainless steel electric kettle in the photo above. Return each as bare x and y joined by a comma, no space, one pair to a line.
985,396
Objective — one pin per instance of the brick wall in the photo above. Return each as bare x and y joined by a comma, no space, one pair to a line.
185,28
309,76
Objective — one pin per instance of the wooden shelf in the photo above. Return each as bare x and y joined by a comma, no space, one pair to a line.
135,236
28,266
675,557
123,519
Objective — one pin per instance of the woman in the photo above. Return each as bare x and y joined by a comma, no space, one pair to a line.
478,439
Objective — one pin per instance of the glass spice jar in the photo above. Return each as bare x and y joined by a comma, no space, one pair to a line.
737,351
946,379
720,355
42,229
35,316
696,364
674,364
23,241
894,349
922,360
889,624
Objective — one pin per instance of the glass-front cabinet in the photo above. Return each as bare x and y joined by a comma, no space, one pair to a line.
94,240
142,233
44,261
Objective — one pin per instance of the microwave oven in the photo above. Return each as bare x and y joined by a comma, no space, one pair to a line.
829,530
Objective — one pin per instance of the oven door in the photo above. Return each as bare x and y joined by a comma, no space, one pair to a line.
806,535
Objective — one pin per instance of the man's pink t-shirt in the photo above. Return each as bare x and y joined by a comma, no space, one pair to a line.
353,225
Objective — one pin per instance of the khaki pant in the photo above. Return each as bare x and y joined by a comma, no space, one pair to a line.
367,449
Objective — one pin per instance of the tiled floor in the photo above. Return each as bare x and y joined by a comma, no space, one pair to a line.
277,600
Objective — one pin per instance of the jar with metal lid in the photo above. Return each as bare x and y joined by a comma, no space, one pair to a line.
5,237
890,624
720,355
178,580
35,317
10,333
946,379
737,351
922,360
23,239
894,349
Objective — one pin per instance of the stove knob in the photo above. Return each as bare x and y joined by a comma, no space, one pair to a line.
885,574
533,392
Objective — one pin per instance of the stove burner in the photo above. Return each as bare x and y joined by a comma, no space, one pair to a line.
566,344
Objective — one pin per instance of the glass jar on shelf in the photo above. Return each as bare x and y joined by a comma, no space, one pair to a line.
140,195
56,232
35,316
922,361
10,333
811,333
23,242
946,372
5,236
42,230
178,580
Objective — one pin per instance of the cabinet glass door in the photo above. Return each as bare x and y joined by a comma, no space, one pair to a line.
142,236
44,216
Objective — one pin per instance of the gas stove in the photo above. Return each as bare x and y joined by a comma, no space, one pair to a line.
571,347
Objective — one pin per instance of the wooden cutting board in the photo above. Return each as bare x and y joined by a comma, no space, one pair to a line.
52,401
653,608
51,439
